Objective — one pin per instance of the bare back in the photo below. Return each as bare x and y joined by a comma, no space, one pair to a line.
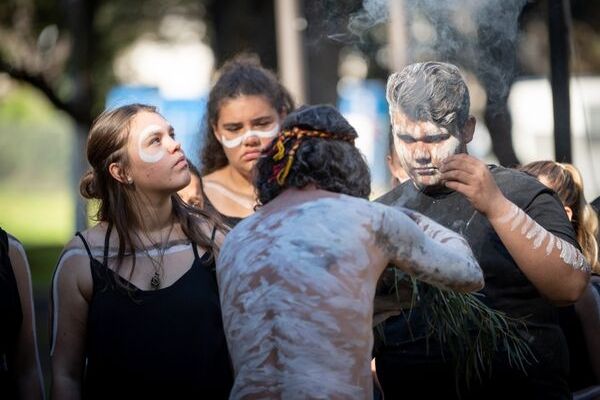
297,284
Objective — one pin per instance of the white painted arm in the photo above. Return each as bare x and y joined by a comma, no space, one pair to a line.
428,251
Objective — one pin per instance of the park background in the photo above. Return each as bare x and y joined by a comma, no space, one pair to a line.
64,61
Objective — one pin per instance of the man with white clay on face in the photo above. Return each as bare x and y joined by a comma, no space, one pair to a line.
297,278
516,227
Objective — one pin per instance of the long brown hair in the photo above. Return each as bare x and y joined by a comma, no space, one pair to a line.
567,182
118,205
241,76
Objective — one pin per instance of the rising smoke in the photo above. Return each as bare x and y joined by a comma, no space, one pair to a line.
478,35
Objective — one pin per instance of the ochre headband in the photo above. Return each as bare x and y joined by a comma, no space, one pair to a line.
281,170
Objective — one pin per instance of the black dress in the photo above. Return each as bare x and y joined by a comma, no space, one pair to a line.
167,343
11,317
407,364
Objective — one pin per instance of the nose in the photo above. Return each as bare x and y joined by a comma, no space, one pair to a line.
421,153
173,145
251,140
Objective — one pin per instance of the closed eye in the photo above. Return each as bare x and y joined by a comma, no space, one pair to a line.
436,138
406,138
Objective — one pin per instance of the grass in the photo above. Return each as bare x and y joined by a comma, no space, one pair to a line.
37,218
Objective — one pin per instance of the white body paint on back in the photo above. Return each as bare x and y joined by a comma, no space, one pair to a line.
297,288
536,233
145,155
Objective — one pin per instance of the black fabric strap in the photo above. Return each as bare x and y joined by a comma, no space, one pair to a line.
194,248
85,244
106,243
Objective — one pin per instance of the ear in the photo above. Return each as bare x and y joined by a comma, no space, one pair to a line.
390,163
569,212
214,132
118,173
469,129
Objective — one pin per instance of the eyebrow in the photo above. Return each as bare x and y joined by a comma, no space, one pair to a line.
262,119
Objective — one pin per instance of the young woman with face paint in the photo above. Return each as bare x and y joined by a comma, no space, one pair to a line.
20,371
245,109
135,308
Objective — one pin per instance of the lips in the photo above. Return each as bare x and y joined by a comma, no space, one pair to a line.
251,155
181,162
425,171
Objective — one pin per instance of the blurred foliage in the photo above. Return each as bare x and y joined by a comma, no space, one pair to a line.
35,148
67,48
35,142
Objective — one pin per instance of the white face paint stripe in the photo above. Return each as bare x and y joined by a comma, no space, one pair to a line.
568,253
17,245
231,143
144,155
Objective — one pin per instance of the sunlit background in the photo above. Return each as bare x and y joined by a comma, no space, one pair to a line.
62,62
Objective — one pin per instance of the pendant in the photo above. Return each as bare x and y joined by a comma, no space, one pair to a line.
155,281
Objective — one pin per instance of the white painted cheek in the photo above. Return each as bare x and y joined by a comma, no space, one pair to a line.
230,144
146,156
403,154
446,149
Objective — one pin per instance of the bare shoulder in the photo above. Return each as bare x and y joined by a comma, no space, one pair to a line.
217,176
19,263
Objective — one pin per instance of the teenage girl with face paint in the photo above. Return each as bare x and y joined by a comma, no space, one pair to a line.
135,308
20,371
245,109
581,322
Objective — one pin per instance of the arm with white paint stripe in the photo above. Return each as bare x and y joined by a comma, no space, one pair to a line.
555,267
427,250
27,362
71,292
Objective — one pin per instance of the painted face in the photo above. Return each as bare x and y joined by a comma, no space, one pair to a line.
421,147
157,162
245,126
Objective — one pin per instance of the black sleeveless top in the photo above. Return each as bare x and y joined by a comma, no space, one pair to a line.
11,317
165,343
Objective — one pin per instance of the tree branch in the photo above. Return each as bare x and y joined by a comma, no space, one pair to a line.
40,83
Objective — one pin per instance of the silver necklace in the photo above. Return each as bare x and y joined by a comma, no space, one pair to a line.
155,281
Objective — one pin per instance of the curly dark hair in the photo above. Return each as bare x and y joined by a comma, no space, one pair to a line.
240,76
331,162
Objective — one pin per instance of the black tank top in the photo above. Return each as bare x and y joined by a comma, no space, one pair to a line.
12,318
167,343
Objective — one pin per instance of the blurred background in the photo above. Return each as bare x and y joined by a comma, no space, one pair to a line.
533,69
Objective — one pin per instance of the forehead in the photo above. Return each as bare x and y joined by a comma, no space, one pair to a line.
404,125
145,119
245,108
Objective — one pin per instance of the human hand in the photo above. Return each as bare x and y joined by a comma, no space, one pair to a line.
472,178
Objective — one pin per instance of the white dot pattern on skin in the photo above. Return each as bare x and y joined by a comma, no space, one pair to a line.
534,231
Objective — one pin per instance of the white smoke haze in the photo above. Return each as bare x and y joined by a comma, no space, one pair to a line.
477,35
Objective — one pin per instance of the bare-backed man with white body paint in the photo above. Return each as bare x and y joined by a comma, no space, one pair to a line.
297,278
518,231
